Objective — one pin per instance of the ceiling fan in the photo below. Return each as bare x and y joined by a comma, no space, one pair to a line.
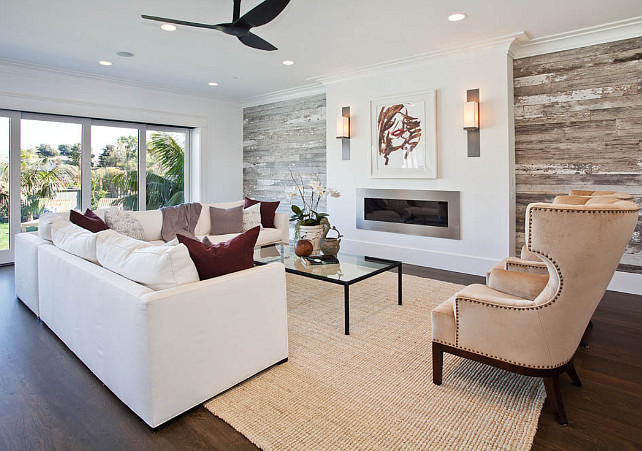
240,26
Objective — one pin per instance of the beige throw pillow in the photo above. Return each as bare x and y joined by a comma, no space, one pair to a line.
252,217
125,224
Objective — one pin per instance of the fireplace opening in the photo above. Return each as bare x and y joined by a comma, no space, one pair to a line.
401,211
411,212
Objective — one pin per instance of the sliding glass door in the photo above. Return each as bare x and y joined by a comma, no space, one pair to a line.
5,134
50,153
58,163
114,167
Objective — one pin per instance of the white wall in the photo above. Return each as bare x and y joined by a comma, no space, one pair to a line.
484,182
217,170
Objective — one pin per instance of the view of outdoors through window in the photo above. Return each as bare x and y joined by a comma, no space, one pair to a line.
114,167
165,169
4,183
50,169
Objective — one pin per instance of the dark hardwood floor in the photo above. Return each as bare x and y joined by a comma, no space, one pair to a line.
50,400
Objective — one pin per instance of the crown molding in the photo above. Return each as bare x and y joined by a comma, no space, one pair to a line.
599,34
502,42
285,94
22,68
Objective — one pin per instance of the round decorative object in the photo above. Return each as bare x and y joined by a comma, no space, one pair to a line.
303,248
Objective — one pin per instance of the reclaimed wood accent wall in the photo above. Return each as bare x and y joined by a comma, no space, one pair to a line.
578,125
279,136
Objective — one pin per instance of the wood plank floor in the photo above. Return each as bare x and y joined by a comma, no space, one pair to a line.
50,400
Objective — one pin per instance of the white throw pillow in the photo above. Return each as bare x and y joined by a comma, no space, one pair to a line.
157,267
74,239
44,224
252,217
124,223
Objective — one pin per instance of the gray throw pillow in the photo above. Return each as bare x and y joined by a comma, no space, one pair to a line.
226,220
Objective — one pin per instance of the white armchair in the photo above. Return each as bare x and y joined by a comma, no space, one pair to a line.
531,323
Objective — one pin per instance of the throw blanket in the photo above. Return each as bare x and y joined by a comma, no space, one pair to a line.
180,219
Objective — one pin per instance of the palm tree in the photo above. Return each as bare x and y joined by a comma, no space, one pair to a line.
40,179
165,175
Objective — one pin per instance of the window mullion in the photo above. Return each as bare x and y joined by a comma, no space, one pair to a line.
142,167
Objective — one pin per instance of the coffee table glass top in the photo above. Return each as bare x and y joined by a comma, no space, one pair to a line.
350,269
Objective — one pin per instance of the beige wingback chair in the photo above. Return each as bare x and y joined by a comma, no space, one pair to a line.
529,323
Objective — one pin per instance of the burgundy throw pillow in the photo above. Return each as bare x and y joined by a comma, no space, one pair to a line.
268,210
90,221
234,255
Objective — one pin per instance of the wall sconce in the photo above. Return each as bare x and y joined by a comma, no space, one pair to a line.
343,132
471,116
471,121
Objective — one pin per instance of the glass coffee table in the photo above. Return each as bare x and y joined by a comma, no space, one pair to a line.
350,270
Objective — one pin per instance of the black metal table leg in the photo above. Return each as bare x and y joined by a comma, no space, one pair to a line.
399,283
346,298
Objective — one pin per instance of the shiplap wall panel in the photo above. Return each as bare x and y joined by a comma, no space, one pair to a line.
578,125
279,136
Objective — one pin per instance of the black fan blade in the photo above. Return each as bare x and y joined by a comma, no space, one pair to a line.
183,22
262,14
252,40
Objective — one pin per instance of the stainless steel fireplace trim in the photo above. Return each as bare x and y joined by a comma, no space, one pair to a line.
452,197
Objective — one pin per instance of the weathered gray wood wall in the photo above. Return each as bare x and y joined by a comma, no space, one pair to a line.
578,124
277,137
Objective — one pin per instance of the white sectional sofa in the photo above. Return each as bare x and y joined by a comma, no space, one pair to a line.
26,245
161,352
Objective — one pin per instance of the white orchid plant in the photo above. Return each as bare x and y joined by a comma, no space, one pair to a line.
310,193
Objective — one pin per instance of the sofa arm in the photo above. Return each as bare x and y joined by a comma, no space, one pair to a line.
208,336
282,222
521,284
26,268
504,329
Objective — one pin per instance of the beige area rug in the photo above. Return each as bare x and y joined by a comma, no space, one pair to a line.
373,390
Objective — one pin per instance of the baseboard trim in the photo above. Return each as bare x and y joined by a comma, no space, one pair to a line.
626,282
433,259
622,281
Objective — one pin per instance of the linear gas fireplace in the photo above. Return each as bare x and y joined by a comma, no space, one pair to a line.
412,212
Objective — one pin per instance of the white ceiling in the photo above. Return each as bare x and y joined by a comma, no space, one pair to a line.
322,36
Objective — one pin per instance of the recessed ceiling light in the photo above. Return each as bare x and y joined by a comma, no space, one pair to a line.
213,83
168,27
457,17
104,63
288,63
125,54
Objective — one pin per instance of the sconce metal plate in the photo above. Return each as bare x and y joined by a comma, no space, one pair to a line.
345,142
472,95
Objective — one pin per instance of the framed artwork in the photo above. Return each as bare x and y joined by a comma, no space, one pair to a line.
404,141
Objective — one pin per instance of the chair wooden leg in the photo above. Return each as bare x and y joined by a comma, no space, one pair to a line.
554,397
573,375
437,362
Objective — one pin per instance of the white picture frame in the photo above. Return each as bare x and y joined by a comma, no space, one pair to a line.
403,131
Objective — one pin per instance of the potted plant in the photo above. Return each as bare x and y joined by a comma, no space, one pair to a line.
308,222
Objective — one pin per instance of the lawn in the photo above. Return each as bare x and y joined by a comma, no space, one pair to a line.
4,235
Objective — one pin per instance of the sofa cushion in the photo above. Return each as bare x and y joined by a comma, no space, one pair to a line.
124,223
226,220
203,226
44,223
74,239
266,236
151,222
234,255
89,221
268,210
157,267
252,217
